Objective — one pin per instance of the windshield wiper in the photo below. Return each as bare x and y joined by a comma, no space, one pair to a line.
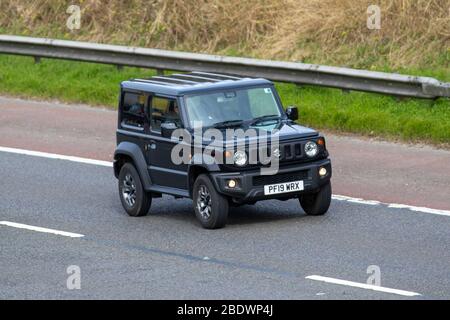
228,123
265,118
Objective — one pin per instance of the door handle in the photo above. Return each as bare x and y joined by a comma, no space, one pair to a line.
152,144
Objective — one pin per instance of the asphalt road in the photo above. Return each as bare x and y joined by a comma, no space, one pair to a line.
265,252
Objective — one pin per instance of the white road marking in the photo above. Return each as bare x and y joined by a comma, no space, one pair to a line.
40,229
420,209
56,156
356,200
363,286
335,196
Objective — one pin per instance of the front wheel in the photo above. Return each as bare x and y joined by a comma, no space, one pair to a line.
317,204
135,200
211,208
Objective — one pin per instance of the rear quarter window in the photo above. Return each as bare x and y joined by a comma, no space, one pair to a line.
133,110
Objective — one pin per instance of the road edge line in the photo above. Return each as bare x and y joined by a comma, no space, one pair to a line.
56,156
40,229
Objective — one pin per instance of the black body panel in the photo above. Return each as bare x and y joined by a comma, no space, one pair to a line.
150,151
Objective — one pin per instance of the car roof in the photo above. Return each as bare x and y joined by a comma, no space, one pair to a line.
192,82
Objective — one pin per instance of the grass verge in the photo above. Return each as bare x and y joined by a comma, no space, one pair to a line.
410,120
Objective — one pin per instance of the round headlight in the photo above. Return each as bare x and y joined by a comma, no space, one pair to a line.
240,158
311,149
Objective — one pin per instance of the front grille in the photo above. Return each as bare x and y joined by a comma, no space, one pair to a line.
280,178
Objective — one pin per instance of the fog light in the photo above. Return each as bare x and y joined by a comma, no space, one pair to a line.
322,172
231,183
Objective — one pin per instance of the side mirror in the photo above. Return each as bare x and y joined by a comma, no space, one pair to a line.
292,113
167,128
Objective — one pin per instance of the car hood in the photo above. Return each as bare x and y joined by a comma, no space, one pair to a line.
287,130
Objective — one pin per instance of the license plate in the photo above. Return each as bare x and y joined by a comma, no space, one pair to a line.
285,187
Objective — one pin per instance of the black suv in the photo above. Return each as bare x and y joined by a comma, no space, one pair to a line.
152,110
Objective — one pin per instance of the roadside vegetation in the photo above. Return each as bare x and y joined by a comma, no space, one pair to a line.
414,39
331,109
414,34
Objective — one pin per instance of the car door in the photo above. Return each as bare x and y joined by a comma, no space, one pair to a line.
163,171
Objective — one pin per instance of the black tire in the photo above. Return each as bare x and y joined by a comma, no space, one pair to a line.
317,204
218,204
130,184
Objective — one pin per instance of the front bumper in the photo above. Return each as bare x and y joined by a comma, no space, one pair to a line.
250,184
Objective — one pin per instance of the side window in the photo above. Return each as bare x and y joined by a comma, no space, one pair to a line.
133,110
163,110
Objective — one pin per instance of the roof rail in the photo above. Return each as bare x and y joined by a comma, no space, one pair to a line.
172,80
155,82
192,76
218,75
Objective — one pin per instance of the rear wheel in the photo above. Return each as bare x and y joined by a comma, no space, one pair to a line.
135,200
317,204
211,208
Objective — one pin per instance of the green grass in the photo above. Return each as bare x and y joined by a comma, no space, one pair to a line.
412,120
66,81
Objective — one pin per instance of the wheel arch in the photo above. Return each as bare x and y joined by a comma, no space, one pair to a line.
193,172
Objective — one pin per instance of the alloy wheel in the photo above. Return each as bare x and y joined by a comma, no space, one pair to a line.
129,190
204,202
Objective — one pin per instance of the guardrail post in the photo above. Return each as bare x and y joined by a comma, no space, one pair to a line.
160,72
400,98
37,60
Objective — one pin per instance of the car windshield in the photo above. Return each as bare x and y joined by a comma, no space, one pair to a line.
233,107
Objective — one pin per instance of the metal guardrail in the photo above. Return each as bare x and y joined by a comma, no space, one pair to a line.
293,72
